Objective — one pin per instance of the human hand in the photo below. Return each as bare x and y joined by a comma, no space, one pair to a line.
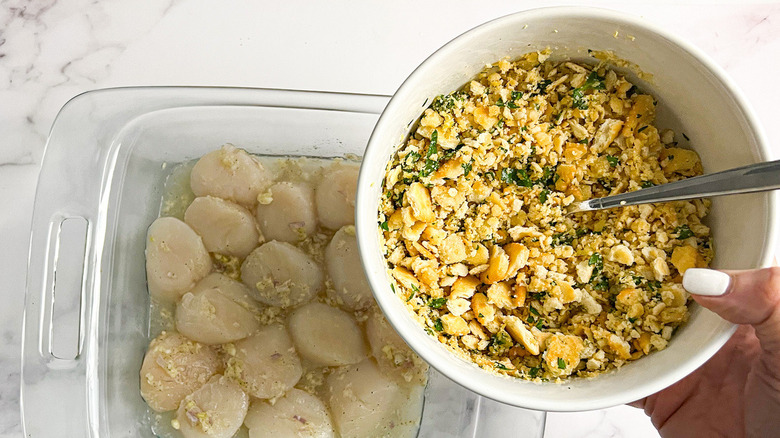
737,392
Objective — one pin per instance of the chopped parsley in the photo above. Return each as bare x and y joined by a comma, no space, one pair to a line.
534,371
541,87
384,226
613,161
415,290
510,104
500,343
647,184
537,295
596,261
437,325
515,176
543,196
467,167
568,237
683,232
653,285
549,176
593,82
430,165
446,102
501,366
602,284
437,303
561,363
450,154
534,311
583,141
413,156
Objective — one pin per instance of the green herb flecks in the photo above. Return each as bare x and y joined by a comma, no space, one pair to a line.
593,82
431,165
613,161
561,363
467,167
446,102
500,343
437,303
683,232
543,196
515,176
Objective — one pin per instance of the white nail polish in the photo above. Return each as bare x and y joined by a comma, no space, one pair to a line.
707,282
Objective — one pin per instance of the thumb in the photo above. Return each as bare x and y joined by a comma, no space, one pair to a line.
742,297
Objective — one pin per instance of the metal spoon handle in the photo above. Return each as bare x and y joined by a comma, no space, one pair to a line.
758,177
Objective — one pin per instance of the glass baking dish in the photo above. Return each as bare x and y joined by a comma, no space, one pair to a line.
86,322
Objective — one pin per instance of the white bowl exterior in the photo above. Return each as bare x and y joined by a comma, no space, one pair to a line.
694,97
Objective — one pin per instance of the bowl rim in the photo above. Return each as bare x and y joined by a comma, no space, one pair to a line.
365,220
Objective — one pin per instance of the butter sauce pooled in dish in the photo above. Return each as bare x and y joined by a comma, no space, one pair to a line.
264,323
477,240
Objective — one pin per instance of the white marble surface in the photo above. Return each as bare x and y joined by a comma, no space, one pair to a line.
51,50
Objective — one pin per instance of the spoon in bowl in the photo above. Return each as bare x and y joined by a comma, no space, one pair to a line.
759,177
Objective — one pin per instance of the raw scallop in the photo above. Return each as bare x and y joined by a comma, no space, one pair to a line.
235,290
296,415
225,227
392,355
265,364
335,196
364,402
326,335
281,275
290,215
350,287
211,317
175,258
173,367
216,410
230,173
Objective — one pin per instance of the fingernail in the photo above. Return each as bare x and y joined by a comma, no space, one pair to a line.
706,282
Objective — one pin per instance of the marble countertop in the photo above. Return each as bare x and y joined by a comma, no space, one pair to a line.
52,50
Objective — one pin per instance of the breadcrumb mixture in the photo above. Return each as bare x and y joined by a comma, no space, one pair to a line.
475,236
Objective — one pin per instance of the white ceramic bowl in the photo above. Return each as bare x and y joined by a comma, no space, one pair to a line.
695,97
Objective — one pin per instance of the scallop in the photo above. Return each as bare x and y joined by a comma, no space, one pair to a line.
235,290
350,287
326,335
216,410
210,317
225,227
265,364
364,402
296,415
335,196
392,355
175,258
290,215
173,367
230,173
281,275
